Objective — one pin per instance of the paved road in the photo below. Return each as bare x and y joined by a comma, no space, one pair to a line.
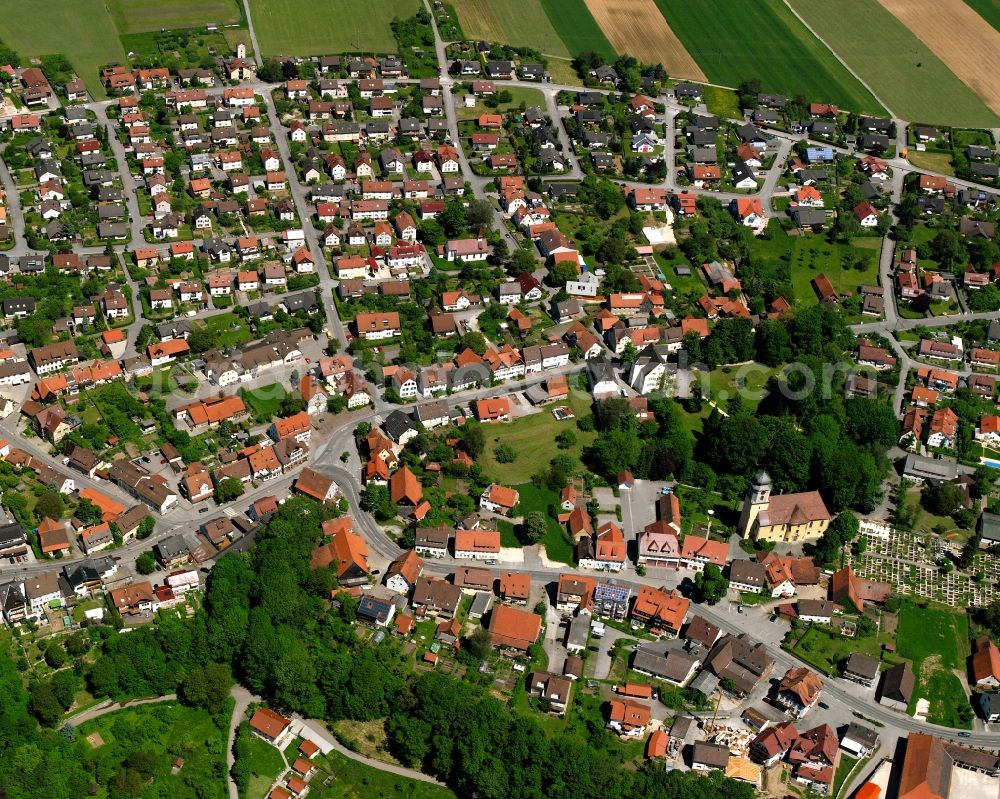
245,698
839,691
15,214
129,184
304,210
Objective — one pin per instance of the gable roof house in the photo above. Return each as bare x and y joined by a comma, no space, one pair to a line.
799,690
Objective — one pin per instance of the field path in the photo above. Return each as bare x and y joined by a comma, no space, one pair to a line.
638,28
113,707
836,55
967,44
253,34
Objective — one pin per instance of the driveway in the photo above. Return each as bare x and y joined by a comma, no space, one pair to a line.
602,658
639,506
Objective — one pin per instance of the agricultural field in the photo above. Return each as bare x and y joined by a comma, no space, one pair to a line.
733,42
637,27
936,641
304,28
138,16
81,30
958,36
988,10
900,68
519,24
577,28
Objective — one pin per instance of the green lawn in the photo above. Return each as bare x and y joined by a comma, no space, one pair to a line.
843,770
936,640
521,24
165,731
802,258
230,329
749,381
987,9
352,780
302,27
507,536
825,648
933,632
81,30
137,16
733,42
721,102
264,402
932,162
963,137
265,765
577,27
533,439
900,68
681,284
556,539
518,95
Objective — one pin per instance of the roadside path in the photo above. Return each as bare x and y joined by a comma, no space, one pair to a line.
104,708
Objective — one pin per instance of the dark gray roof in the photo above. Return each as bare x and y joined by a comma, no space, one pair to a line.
748,572
600,370
809,216
714,755
11,535
861,734
929,468
397,424
671,664
989,527
862,665
11,597
171,547
18,305
989,702
897,683
303,301
741,171
374,609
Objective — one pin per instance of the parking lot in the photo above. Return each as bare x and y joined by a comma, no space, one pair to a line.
639,505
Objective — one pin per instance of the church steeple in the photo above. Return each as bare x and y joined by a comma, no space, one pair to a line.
757,499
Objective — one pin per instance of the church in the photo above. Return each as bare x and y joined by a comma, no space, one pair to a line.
783,519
